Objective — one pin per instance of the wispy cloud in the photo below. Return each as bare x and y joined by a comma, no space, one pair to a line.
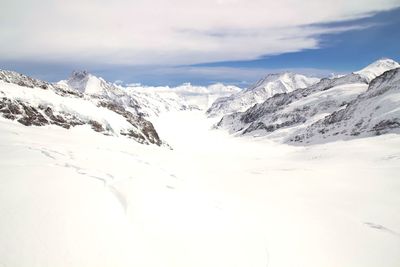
169,32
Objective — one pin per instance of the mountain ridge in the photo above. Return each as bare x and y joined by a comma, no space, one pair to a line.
300,108
268,86
33,102
374,112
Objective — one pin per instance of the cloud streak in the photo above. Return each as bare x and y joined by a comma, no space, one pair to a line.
169,32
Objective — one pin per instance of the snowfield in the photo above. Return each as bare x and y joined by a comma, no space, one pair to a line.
79,198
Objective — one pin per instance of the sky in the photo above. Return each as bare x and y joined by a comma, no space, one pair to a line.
163,42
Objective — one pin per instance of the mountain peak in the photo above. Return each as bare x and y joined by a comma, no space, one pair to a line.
378,67
382,63
385,61
85,82
277,75
79,74
289,80
270,85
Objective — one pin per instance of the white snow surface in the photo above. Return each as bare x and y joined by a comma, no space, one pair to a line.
81,108
270,85
199,96
76,198
378,67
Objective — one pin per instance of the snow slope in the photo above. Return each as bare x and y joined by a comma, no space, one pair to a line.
214,200
72,197
375,112
377,68
283,114
34,102
265,88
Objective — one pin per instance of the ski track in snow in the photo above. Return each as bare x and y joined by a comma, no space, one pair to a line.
67,161
77,198
381,228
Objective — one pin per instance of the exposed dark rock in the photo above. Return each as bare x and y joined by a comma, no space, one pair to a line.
145,126
385,126
29,115
56,119
66,92
23,80
32,116
9,109
134,135
98,127
24,114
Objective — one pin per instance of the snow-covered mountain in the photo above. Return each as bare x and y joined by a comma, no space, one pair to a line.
87,83
33,102
298,109
153,99
265,88
376,68
79,198
109,108
142,102
375,112
195,96
298,106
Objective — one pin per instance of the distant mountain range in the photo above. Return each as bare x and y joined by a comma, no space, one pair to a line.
286,106
265,88
362,103
84,99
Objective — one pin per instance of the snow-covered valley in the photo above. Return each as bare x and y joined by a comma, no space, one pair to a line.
79,198
186,133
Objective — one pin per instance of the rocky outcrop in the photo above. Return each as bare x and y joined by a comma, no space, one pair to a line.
23,80
38,116
147,132
26,81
